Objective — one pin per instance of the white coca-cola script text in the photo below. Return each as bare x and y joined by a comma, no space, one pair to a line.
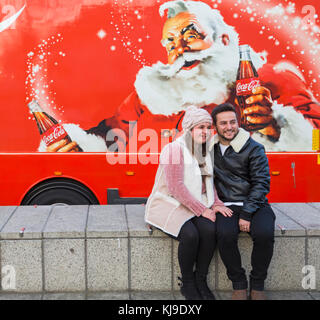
55,134
247,87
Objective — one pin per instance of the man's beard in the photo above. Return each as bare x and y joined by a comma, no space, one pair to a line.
223,137
167,89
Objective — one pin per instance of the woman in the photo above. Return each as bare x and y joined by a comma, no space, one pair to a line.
183,202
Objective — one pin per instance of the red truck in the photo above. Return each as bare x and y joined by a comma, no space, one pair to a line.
116,77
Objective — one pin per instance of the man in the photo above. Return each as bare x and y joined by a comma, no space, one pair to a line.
242,181
203,58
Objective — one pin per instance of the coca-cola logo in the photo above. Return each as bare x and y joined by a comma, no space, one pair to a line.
245,87
54,134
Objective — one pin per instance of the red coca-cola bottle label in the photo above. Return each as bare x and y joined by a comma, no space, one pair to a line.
54,134
244,87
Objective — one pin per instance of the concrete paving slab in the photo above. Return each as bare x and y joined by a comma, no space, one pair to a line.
313,246
315,205
5,213
285,226
315,295
151,264
291,295
106,222
153,295
108,295
64,265
136,224
64,296
31,218
107,264
23,260
176,267
302,213
20,296
177,295
285,270
66,222
273,295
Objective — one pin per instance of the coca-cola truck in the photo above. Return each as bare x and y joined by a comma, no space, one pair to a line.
92,90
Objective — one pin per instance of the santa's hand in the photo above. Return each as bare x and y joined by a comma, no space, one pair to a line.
63,146
258,110
258,113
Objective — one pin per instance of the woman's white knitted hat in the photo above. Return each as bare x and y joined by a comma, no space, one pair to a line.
194,116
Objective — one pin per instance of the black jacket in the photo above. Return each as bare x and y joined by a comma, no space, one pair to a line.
242,175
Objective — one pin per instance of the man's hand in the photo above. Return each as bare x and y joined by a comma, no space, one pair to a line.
209,214
63,146
244,225
225,211
258,113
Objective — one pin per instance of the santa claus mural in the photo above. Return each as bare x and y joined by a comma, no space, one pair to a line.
201,70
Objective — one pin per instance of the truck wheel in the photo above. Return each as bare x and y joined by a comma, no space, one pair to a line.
59,191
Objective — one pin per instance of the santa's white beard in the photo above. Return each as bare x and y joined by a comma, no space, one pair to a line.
168,89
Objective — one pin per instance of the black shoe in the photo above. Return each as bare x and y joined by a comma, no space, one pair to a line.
202,286
189,290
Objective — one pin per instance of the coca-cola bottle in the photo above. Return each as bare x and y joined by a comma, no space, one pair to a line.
247,80
50,130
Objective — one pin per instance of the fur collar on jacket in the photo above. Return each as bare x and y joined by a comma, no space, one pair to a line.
237,143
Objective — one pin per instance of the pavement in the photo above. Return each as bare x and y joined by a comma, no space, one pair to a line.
144,295
107,253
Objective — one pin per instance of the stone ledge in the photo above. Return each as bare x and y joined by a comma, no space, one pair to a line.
109,248
149,295
304,214
123,221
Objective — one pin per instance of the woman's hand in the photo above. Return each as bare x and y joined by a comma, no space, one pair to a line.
209,214
225,211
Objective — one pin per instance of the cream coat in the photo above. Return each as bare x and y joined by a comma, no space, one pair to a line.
165,212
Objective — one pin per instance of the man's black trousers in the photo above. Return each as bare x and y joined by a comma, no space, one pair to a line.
262,234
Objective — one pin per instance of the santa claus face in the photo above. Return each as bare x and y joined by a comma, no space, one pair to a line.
201,68
183,33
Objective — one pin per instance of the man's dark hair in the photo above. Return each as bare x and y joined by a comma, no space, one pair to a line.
222,108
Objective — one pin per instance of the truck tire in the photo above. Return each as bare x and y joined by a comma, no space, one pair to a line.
59,191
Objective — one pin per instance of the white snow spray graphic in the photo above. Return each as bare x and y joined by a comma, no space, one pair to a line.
295,32
37,84
130,31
